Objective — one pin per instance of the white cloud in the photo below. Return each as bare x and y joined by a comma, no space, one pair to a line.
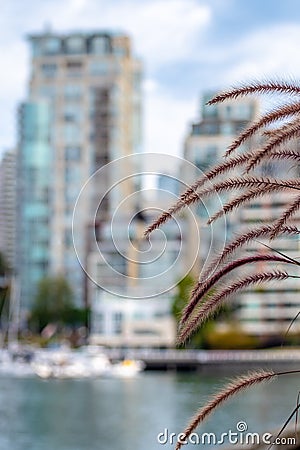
77,5
150,85
167,31
13,77
163,31
269,52
166,122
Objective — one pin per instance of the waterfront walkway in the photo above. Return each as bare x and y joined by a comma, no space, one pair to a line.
200,360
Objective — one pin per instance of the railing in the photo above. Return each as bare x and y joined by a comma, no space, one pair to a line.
208,356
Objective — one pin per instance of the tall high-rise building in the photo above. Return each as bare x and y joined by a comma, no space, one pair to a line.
83,111
204,146
268,309
8,207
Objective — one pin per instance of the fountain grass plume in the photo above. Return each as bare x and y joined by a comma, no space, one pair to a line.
201,288
289,212
245,184
257,87
287,132
247,237
279,113
210,305
191,195
234,387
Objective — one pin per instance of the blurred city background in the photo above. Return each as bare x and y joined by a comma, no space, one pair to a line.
104,124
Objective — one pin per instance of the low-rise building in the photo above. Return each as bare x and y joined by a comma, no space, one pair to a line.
132,287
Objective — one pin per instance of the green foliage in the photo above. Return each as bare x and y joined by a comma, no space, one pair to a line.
231,339
54,304
183,294
4,267
207,335
4,304
76,316
4,290
184,287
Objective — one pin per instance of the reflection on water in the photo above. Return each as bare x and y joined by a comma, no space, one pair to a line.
124,414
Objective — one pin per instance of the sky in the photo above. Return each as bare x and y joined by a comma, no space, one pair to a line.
187,47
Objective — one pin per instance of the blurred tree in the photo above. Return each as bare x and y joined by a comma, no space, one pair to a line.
5,282
199,338
4,267
54,304
183,292
207,335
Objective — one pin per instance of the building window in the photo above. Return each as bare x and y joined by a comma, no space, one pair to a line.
69,209
36,48
244,112
72,174
210,128
227,129
196,129
74,68
228,111
72,153
74,65
43,265
99,68
71,133
98,324
212,111
212,153
239,126
120,51
75,45
49,70
100,45
72,114
203,164
52,45
73,92
205,128
117,322
47,92
68,238
71,193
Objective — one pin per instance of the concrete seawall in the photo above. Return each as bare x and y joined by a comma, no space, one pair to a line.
212,360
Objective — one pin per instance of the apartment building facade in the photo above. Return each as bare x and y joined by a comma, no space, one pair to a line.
266,310
83,110
204,146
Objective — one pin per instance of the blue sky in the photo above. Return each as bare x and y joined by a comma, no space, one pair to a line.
187,46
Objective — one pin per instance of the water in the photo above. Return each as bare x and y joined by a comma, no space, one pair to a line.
120,414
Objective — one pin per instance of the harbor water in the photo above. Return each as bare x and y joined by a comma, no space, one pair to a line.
137,413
